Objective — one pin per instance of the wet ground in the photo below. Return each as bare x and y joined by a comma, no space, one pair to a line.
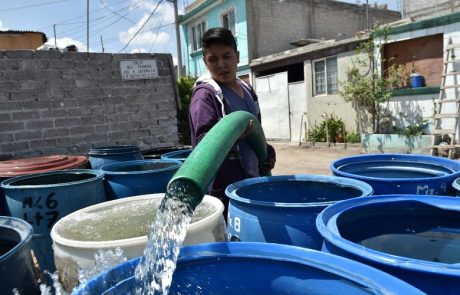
304,159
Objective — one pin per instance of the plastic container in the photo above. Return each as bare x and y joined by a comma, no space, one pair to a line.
72,254
400,173
416,80
177,155
132,178
16,266
257,268
456,186
283,209
17,167
413,237
100,156
42,199
155,154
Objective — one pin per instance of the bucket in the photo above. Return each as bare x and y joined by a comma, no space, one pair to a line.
257,268
16,266
156,153
283,209
180,155
100,156
74,249
42,199
413,237
140,177
400,173
17,167
416,80
456,186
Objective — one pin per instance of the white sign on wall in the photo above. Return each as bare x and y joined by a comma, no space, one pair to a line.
138,69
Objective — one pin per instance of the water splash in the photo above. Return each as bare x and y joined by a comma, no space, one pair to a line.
103,260
154,273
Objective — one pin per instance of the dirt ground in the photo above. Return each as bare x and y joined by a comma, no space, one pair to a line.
295,159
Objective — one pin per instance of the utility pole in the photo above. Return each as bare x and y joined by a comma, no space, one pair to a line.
179,51
102,44
55,42
87,25
367,15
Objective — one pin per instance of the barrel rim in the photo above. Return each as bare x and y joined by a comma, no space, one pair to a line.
409,157
16,224
136,162
175,153
57,238
8,184
113,150
359,273
231,190
331,234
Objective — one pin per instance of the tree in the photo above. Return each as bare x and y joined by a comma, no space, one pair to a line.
368,87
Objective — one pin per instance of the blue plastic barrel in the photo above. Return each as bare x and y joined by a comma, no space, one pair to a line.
16,265
180,155
100,156
42,199
456,186
283,209
156,153
256,268
132,178
413,237
400,173
416,80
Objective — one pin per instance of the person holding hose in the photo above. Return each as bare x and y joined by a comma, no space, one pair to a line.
216,94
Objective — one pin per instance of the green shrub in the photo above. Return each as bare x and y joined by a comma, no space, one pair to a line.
185,86
353,138
332,125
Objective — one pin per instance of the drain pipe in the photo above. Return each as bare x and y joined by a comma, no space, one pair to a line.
201,166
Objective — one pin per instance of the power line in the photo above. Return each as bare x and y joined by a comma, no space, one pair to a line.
146,21
156,35
33,5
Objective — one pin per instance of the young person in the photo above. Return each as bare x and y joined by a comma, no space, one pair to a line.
217,94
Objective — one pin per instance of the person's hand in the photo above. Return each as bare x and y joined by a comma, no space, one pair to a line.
267,167
246,132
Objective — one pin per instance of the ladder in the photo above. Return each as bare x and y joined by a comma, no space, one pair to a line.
444,140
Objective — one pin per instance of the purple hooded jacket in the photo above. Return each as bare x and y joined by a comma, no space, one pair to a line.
207,107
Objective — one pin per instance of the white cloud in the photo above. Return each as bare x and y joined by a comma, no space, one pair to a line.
64,42
2,28
139,50
165,8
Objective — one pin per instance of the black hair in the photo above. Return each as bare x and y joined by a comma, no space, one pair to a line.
218,36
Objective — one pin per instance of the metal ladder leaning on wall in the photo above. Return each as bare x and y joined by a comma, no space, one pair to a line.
447,136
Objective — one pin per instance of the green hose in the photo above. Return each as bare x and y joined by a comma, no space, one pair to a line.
201,166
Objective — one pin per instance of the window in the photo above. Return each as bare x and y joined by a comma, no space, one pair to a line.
196,33
228,20
325,76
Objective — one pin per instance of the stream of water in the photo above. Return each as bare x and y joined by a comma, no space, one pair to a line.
154,273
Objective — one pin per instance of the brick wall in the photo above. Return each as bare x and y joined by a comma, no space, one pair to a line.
425,53
66,103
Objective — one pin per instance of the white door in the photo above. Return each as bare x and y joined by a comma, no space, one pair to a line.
273,96
297,105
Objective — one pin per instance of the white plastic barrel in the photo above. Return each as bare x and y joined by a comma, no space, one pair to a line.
71,255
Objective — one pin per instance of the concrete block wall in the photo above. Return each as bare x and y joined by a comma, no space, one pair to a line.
418,9
66,103
275,24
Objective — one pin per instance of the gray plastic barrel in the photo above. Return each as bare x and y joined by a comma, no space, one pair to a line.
413,237
42,199
400,173
283,209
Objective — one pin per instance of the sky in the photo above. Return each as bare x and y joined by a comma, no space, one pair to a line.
115,26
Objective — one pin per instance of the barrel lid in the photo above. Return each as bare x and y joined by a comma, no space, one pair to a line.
18,167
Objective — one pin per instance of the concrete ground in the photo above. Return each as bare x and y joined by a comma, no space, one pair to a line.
295,159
